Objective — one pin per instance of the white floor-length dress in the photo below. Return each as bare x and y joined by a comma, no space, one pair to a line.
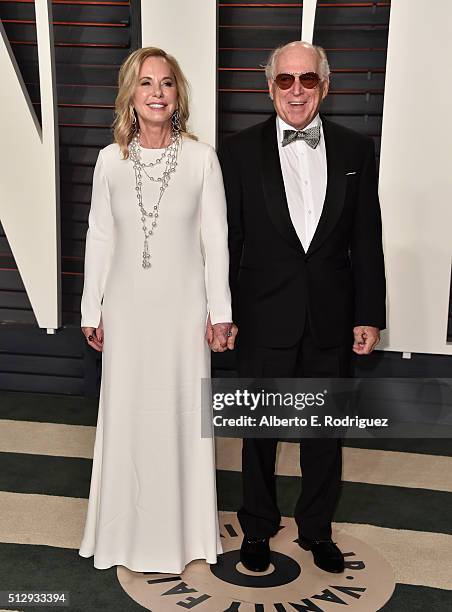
152,504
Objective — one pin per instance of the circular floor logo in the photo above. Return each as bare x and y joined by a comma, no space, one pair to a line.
292,583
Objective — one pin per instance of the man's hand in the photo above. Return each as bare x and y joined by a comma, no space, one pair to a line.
220,333
220,336
97,335
366,339
233,335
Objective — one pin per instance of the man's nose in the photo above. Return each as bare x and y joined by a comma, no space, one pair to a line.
297,87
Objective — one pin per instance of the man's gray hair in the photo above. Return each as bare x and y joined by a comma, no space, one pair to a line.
324,67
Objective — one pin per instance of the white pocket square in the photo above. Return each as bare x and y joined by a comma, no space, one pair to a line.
350,173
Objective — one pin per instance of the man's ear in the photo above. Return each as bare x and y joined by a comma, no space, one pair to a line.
270,87
326,86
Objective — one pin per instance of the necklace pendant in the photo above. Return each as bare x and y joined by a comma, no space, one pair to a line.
146,255
146,263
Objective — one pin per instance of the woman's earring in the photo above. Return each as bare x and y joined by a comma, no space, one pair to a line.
134,120
175,121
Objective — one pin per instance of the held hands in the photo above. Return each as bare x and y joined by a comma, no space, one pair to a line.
221,336
95,337
366,339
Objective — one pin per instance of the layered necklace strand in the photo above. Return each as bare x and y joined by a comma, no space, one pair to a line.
170,154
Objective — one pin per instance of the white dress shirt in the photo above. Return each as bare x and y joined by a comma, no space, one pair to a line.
304,172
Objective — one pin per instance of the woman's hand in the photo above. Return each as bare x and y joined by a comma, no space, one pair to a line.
221,336
95,337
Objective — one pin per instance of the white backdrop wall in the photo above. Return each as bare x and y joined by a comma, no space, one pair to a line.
29,183
416,175
188,30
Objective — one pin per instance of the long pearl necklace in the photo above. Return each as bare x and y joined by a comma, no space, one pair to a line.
170,154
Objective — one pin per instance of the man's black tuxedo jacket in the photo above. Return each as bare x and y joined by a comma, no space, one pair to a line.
340,281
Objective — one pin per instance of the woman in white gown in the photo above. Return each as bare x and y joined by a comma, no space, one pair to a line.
156,265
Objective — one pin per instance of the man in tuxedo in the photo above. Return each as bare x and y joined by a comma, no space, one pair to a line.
307,280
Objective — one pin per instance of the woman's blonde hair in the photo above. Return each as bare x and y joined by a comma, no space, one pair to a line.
124,126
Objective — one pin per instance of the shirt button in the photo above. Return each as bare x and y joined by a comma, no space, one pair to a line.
309,212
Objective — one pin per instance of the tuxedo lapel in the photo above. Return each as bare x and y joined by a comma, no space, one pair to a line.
335,187
275,195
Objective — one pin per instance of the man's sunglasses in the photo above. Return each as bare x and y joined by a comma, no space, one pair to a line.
307,79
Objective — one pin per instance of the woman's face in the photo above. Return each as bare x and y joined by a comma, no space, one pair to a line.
155,96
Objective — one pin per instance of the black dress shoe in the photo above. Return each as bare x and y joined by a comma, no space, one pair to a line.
255,554
326,554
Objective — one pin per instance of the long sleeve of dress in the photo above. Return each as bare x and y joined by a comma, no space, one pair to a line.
214,236
99,246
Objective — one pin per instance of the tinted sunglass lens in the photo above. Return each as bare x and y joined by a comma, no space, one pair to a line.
310,80
285,81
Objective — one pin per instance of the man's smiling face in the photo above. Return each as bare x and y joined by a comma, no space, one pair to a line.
297,105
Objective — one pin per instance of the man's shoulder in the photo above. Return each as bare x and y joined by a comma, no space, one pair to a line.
345,134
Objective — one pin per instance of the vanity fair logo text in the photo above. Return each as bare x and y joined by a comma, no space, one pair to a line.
291,583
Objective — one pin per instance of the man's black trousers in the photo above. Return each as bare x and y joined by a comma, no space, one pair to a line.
320,459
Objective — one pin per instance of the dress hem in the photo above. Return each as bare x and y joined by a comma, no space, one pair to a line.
109,565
